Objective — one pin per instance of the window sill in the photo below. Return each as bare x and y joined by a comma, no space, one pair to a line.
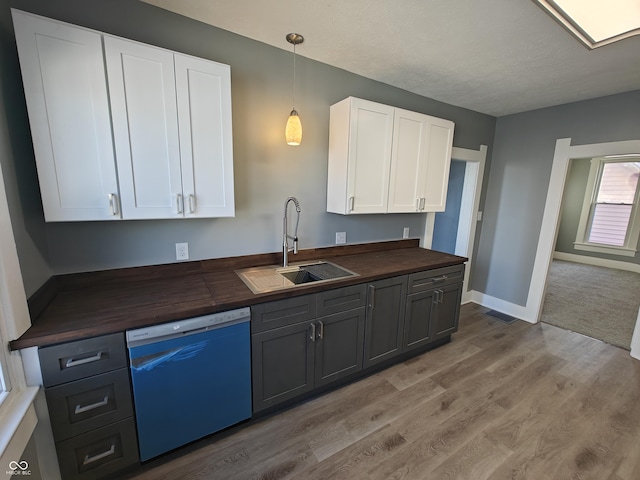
18,419
591,247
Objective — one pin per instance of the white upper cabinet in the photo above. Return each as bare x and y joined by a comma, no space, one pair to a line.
145,128
122,129
66,92
359,151
384,159
206,141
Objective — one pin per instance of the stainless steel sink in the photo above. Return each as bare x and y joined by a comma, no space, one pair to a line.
275,277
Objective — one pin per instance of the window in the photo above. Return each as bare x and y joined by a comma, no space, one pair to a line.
609,222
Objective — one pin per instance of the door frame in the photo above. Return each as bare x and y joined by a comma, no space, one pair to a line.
564,153
469,207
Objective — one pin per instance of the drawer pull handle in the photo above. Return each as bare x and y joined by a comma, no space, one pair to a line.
87,459
93,406
440,279
321,331
313,332
192,203
351,202
74,363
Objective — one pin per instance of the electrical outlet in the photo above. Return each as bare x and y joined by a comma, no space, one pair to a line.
405,232
182,251
341,237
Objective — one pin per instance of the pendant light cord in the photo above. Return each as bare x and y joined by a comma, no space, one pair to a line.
294,78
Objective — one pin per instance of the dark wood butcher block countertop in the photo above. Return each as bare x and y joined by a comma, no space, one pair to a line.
76,306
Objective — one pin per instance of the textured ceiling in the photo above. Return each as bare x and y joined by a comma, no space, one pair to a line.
492,56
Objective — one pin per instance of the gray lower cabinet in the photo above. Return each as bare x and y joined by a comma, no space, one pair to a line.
339,345
302,343
89,399
433,306
290,360
282,364
384,325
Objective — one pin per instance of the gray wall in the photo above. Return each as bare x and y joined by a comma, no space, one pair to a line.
266,169
16,161
572,201
519,178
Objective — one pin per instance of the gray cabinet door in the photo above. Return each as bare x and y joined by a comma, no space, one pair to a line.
418,319
384,324
282,364
445,321
339,345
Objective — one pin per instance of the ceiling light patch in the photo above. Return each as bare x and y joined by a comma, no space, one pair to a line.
594,22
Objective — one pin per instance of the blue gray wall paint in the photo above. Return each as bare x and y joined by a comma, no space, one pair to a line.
266,169
445,229
518,181
572,200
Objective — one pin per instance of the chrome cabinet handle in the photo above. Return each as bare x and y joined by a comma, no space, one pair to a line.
313,332
372,296
435,297
74,363
352,200
321,331
192,203
417,204
93,406
113,204
87,459
179,203
422,203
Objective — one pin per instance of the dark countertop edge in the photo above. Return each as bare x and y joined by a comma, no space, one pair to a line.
70,282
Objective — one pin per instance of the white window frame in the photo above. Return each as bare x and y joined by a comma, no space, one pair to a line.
18,417
630,247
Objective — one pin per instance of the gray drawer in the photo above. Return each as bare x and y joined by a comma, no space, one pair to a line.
79,406
281,313
341,299
70,361
439,277
100,452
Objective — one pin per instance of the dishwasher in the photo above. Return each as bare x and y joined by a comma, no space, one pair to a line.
190,378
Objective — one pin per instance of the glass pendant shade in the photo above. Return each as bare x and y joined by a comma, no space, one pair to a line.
293,130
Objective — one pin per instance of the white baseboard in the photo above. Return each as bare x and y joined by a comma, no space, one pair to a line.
517,311
598,262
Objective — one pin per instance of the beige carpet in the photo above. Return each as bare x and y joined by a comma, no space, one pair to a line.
595,301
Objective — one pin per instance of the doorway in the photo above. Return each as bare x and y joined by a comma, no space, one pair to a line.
469,204
564,152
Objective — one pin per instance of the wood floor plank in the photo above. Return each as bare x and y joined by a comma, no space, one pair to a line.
501,401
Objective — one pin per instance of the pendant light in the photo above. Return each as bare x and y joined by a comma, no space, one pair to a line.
293,130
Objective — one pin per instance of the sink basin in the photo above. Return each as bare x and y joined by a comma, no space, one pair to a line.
273,277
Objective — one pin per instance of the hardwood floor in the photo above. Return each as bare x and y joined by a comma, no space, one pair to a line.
500,401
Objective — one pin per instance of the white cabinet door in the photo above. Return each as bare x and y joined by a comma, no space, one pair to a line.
145,128
66,92
360,139
371,133
408,161
439,144
206,144
419,163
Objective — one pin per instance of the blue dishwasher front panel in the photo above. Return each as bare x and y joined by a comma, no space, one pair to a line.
188,387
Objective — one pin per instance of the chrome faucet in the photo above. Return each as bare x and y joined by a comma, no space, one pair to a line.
285,236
